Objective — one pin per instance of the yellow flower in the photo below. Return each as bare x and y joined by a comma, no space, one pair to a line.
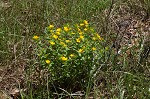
66,29
72,55
67,41
85,22
51,26
78,40
35,37
52,43
64,58
62,43
58,33
81,24
51,31
55,36
93,48
85,29
81,37
93,38
80,33
79,29
86,25
47,61
80,50
99,37
58,30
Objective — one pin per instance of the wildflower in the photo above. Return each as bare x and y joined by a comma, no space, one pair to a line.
93,38
67,41
72,55
58,33
80,50
66,29
51,26
58,30
78,40
52,43
79,29
93,48
35,37
81,37
55,36
85,29
62,43
81,24
47,61
85,22
97,35
80,33
86,25
64,58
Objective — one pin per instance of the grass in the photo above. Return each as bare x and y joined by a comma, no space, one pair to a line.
119,76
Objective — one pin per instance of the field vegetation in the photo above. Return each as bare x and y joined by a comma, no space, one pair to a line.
75,49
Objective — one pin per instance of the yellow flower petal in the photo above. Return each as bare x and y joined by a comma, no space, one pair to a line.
66,29
63,44
58,33
55,36
78,40
93,48
85,22
72,55
80,50
51,26
99,37
58,30
81,37
64,58
67,41
47,61
85,29
93,38
80,33
52,43
35,37
81,24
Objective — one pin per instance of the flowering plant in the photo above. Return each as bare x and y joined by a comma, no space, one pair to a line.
70,53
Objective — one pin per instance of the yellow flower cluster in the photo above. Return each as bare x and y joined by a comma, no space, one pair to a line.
69,38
